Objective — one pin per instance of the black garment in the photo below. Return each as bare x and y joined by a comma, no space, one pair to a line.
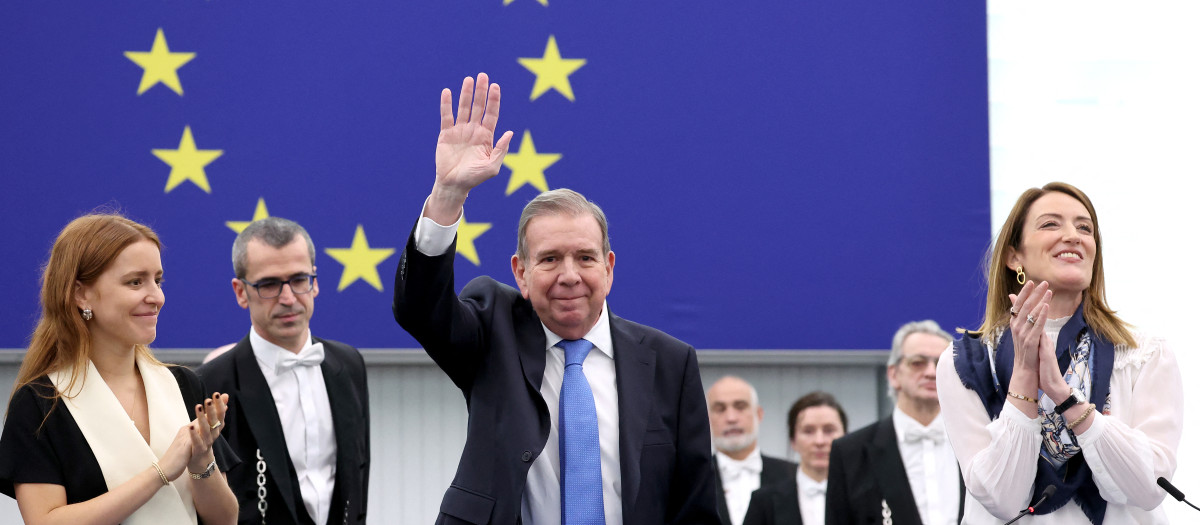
777,504
252,425
58,453
865,469
774,471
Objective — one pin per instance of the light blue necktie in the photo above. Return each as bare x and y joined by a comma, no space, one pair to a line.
579,441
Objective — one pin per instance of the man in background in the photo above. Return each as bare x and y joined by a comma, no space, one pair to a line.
901,465
735,415
301,416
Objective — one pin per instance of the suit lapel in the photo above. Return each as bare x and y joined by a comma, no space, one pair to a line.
531,346
776,471
345,420
788,506
890,476
722,505
258,405
635,390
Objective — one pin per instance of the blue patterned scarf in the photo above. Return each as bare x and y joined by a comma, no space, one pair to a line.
1073,478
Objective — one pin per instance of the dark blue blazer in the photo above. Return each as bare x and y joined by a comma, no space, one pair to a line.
490,342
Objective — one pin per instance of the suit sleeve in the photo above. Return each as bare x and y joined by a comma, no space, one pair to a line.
694,485
759,511
837,510
425,305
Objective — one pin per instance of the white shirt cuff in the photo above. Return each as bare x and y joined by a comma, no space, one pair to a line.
433,239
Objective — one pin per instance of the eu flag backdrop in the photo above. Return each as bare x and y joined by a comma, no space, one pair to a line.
778,175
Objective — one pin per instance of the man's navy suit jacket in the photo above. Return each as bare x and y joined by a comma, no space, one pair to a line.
491,344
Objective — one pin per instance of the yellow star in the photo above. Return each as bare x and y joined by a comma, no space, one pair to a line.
467,233
543,2
160,65
360,261
260,212
552,71
187,163
528,166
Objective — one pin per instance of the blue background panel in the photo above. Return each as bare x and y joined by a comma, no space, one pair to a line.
778,175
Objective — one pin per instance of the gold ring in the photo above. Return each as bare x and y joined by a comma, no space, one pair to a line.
215,425
1031,319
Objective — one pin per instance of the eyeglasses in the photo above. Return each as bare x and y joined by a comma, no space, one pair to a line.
271,288
918,363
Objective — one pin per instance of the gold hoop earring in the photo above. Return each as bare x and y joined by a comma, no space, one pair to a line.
1020,275
87,314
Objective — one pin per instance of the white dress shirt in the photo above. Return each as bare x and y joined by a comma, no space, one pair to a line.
739,478
931,467
812,497
541,503
307,422
1127,448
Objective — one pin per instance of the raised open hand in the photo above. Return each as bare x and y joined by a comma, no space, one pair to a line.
465,155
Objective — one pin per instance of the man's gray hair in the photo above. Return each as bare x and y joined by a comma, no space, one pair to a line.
559,202
916,327
275,232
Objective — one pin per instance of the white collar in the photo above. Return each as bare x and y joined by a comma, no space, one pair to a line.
1057,324
600,335
904,422
1054,327
807,484
910,432
267,352
752,463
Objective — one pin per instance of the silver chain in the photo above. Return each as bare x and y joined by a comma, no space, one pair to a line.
262,491
262,486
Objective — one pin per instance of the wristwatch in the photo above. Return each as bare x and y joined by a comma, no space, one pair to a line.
207,471
1076,398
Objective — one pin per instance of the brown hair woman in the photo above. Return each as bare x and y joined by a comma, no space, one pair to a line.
1055,390
97,429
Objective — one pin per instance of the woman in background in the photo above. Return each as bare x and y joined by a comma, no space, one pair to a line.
814,421
97,429
1054,389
